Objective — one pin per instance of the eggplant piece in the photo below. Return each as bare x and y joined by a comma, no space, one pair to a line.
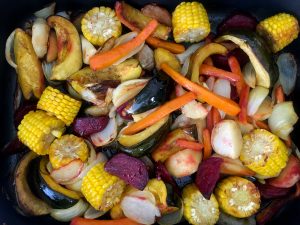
260,56
155,93
45,187
146,146
29,204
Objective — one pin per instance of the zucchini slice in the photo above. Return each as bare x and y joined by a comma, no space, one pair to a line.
45,187
259,55
27,201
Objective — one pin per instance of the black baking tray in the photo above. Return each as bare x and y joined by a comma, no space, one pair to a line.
14,12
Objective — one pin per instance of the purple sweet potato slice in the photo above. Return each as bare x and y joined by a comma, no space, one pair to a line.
268,191
85,126
132,170
238,20
207,175
162,173
25,108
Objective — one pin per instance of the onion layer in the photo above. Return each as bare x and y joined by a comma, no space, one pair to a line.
256,98
9,50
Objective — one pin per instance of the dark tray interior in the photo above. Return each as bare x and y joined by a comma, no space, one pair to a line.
15,11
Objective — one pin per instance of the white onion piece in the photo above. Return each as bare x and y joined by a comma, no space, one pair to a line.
188,52
256,98
92,213
65,215
249,75
287,67
40,35
88,50
265,109
140,209
46,12
127,90
125,38
185,67
72,91
107,135
222,87
210,82
9,50
245,127
95,110
67,172
181,121
226,139
75,186
146,58
130,54
120,120
282,119
63,14
47,70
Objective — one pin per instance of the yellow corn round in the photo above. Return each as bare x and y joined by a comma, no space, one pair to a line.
101,189
58,104
38,130
264,153
67,148
238,197
100,24
197,209
190,22
279,30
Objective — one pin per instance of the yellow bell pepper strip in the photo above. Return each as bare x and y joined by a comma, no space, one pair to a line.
154,42
201,54
161,112
106,59
227,105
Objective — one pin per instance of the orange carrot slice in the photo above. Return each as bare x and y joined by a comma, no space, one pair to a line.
105,59
154,42
216,72
235,68
189,144
244,97
207,144
227,105
216,116
159,113
279,94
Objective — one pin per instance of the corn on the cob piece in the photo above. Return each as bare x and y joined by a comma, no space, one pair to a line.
67,148
56,103
101,189
38,130
264,153
197,209
279,30
190,22
100,24
238,197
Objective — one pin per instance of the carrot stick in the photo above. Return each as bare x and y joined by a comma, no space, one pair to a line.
235,68
216,115
225,104
154,42
105,59
210,120
279,94
82,221
161,112
244,97
189,144
216,72
208,61
207,144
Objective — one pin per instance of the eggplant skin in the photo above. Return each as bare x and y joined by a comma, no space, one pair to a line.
27,203
155,93
29,67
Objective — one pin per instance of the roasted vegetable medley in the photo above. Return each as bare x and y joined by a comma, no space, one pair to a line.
141,116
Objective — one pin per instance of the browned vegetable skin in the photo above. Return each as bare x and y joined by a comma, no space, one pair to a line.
138,19
29,68
69,59
159,13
